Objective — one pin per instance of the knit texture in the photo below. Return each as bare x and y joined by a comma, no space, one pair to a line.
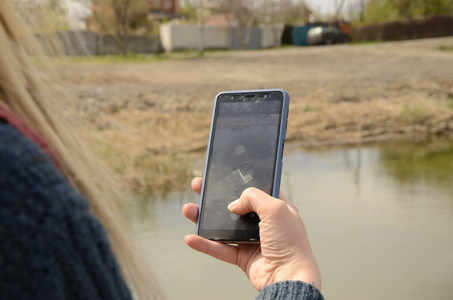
290,290
51,245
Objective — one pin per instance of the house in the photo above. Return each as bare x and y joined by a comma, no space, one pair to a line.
215,15
164,9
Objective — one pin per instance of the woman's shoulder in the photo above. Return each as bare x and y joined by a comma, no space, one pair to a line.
14,147
18,151
29,179
47,231
24,165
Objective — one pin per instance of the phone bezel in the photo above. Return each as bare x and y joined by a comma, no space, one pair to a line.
244,236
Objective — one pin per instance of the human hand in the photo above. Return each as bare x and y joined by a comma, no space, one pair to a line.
284,252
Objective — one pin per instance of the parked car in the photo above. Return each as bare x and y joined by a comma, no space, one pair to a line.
326,35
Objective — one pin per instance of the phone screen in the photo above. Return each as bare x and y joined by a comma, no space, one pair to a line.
243,153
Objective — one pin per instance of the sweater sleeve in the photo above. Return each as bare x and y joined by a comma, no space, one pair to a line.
290,290
51,245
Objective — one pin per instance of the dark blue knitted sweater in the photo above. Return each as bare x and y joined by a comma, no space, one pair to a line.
52,247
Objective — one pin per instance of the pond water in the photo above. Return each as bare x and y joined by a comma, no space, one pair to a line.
379,218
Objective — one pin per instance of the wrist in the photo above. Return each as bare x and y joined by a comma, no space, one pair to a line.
308,273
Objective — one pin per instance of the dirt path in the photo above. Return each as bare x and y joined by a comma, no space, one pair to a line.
339,94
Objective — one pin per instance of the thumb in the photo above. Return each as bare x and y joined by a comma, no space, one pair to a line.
252,200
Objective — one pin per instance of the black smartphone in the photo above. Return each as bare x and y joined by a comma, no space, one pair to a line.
245,149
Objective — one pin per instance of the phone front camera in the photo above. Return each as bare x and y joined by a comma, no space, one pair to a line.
240,150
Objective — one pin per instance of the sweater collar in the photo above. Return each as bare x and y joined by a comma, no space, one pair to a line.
14,120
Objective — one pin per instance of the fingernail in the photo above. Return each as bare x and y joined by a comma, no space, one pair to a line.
233,204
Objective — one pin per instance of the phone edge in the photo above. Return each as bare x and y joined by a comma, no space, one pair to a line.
280,148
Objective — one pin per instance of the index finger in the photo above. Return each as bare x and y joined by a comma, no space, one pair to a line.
190,211
196,184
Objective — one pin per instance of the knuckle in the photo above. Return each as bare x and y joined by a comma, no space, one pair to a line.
279,206
249,198
249,192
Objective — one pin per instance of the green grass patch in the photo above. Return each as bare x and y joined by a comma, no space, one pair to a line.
142,58
285,46
309,108
130,58
160,174
446,48
450,100
411,114
146,173
366,42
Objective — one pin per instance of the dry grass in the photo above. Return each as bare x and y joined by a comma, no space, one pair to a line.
150,120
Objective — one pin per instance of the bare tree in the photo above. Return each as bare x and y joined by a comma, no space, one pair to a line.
362,10
338,10
241,16
276,13
115,17
356,10
404,8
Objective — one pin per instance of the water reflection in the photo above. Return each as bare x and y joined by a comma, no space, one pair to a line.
412,163
380,220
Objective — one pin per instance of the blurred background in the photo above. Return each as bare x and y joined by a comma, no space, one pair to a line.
369,158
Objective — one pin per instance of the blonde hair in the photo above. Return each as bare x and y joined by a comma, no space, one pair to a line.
25,90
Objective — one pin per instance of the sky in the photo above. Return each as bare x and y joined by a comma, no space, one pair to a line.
325,6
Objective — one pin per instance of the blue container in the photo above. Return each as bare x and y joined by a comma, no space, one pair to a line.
300,33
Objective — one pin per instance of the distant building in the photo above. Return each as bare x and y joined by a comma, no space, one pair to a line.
215,15
217,20
164,9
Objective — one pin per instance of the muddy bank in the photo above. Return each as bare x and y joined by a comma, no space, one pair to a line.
148,120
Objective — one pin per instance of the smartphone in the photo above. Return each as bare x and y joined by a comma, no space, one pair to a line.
245,149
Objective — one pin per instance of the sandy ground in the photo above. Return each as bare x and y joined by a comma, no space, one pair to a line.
154,115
